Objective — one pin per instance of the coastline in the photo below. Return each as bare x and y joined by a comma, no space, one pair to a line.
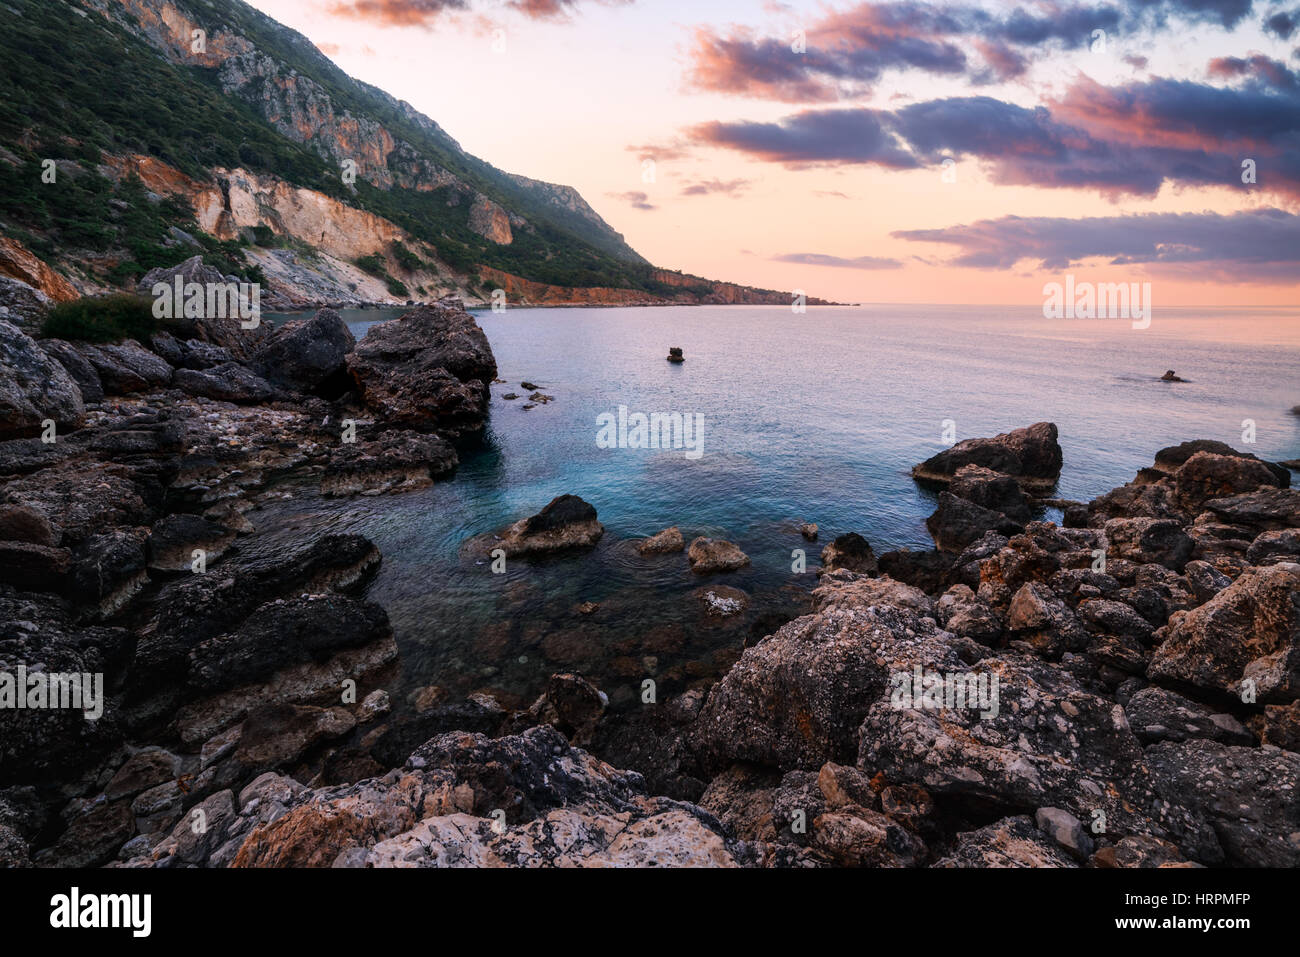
255,688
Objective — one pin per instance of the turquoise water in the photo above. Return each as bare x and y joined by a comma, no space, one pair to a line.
816,417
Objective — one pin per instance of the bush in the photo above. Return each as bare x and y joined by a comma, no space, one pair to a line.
104,319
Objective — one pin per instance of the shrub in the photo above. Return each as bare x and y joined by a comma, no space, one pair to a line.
104,319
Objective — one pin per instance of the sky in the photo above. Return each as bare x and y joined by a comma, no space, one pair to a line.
898,151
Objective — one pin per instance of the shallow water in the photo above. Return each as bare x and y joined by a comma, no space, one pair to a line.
817,417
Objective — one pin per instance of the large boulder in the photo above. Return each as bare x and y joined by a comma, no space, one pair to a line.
959,523
77,366
1248,631
1032,455
1206,476
850,552
126,367
430,369
229,382
566,522
709,555
33,387
307,355
23,305
227,332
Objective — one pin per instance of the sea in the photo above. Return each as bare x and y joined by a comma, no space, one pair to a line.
815,417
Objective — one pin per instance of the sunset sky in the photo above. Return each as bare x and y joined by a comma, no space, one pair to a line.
1117,158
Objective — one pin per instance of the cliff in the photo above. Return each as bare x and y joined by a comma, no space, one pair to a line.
207,127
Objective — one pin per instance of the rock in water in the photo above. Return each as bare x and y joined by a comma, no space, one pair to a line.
566,522
669,540
675,354
708,555
429,369
1169,376
1032,455
308,355
850,552
33,387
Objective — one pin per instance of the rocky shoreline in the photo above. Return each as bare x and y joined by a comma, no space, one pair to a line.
1144,656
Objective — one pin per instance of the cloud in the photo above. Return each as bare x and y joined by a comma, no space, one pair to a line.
1250,246
424,13
847,51
397,13
1122,140
1283,23
636,199
662,151
733,187
813,137
818,259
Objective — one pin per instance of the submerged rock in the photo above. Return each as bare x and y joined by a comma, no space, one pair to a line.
661,543
709,555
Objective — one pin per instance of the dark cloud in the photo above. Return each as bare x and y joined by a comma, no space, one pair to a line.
1283,24
847,51
817,259
813,137
1256,245
1128,139
636,199
714,187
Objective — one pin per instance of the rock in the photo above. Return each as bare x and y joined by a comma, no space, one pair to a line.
1011,842
710,555
92,838
174,539
963,614
225,332
587,608
395,461
529,387
20,523
1169,460
1274,546
719,601
307,355
278,735
849,552
1281,726
992,490
1138,850
1207,476
1169,376
1261,510
33,388
1032,455
375,705
110,570
959,523
861,837
560,807
1247,795
675,355
1148,540
1064,828
77,366
23,305
928,571
430,369
145,769
1156,714
126,368
566,522
809,531
229,382
1250,630
573,705
669,540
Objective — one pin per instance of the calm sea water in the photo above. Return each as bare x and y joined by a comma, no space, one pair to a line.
814,417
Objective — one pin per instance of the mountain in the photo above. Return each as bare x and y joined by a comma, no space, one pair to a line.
170,127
